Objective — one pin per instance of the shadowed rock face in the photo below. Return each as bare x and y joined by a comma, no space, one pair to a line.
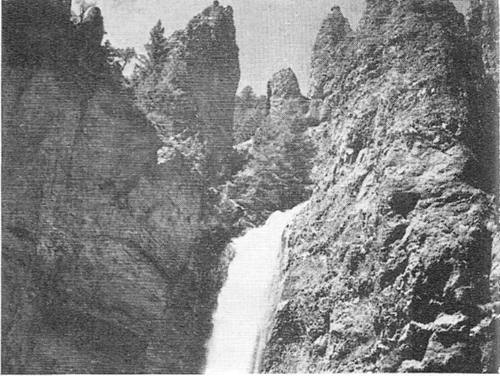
482,22
387,267
483,26
109,262
214,74
203,65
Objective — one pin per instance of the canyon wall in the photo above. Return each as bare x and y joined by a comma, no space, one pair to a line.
112,257
387,267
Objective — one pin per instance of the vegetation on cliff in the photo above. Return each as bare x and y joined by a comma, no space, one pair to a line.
277,176
249,114
280,154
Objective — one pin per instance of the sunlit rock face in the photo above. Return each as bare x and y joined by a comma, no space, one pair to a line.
284,97
388,264
110,261
333,30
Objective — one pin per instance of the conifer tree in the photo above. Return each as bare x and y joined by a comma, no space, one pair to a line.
156,49
278,175
249,114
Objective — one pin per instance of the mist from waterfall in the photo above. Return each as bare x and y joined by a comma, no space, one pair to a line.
245,300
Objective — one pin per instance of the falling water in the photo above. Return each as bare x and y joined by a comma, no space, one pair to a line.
244,300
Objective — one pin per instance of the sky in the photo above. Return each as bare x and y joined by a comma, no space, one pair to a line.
271,34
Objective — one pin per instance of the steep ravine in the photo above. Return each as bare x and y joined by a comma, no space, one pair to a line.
111,260
387,267
113,241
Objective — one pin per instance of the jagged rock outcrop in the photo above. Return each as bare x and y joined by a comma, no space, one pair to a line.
284,96
386,269
91,29
214,73
333,30
198,82
111,260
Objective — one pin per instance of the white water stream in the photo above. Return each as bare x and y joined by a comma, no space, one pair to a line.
245,298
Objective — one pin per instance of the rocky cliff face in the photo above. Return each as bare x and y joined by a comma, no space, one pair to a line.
482,21
214,74
333,30
198,82
111,260
387,267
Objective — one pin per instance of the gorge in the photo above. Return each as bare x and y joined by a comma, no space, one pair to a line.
352,230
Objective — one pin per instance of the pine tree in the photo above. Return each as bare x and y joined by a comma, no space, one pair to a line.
249,114
147,76
278,175
156,49
247,97
118,57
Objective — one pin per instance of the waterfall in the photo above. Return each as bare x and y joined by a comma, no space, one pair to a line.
245,298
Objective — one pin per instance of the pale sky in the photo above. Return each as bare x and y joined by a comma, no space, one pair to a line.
271,34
